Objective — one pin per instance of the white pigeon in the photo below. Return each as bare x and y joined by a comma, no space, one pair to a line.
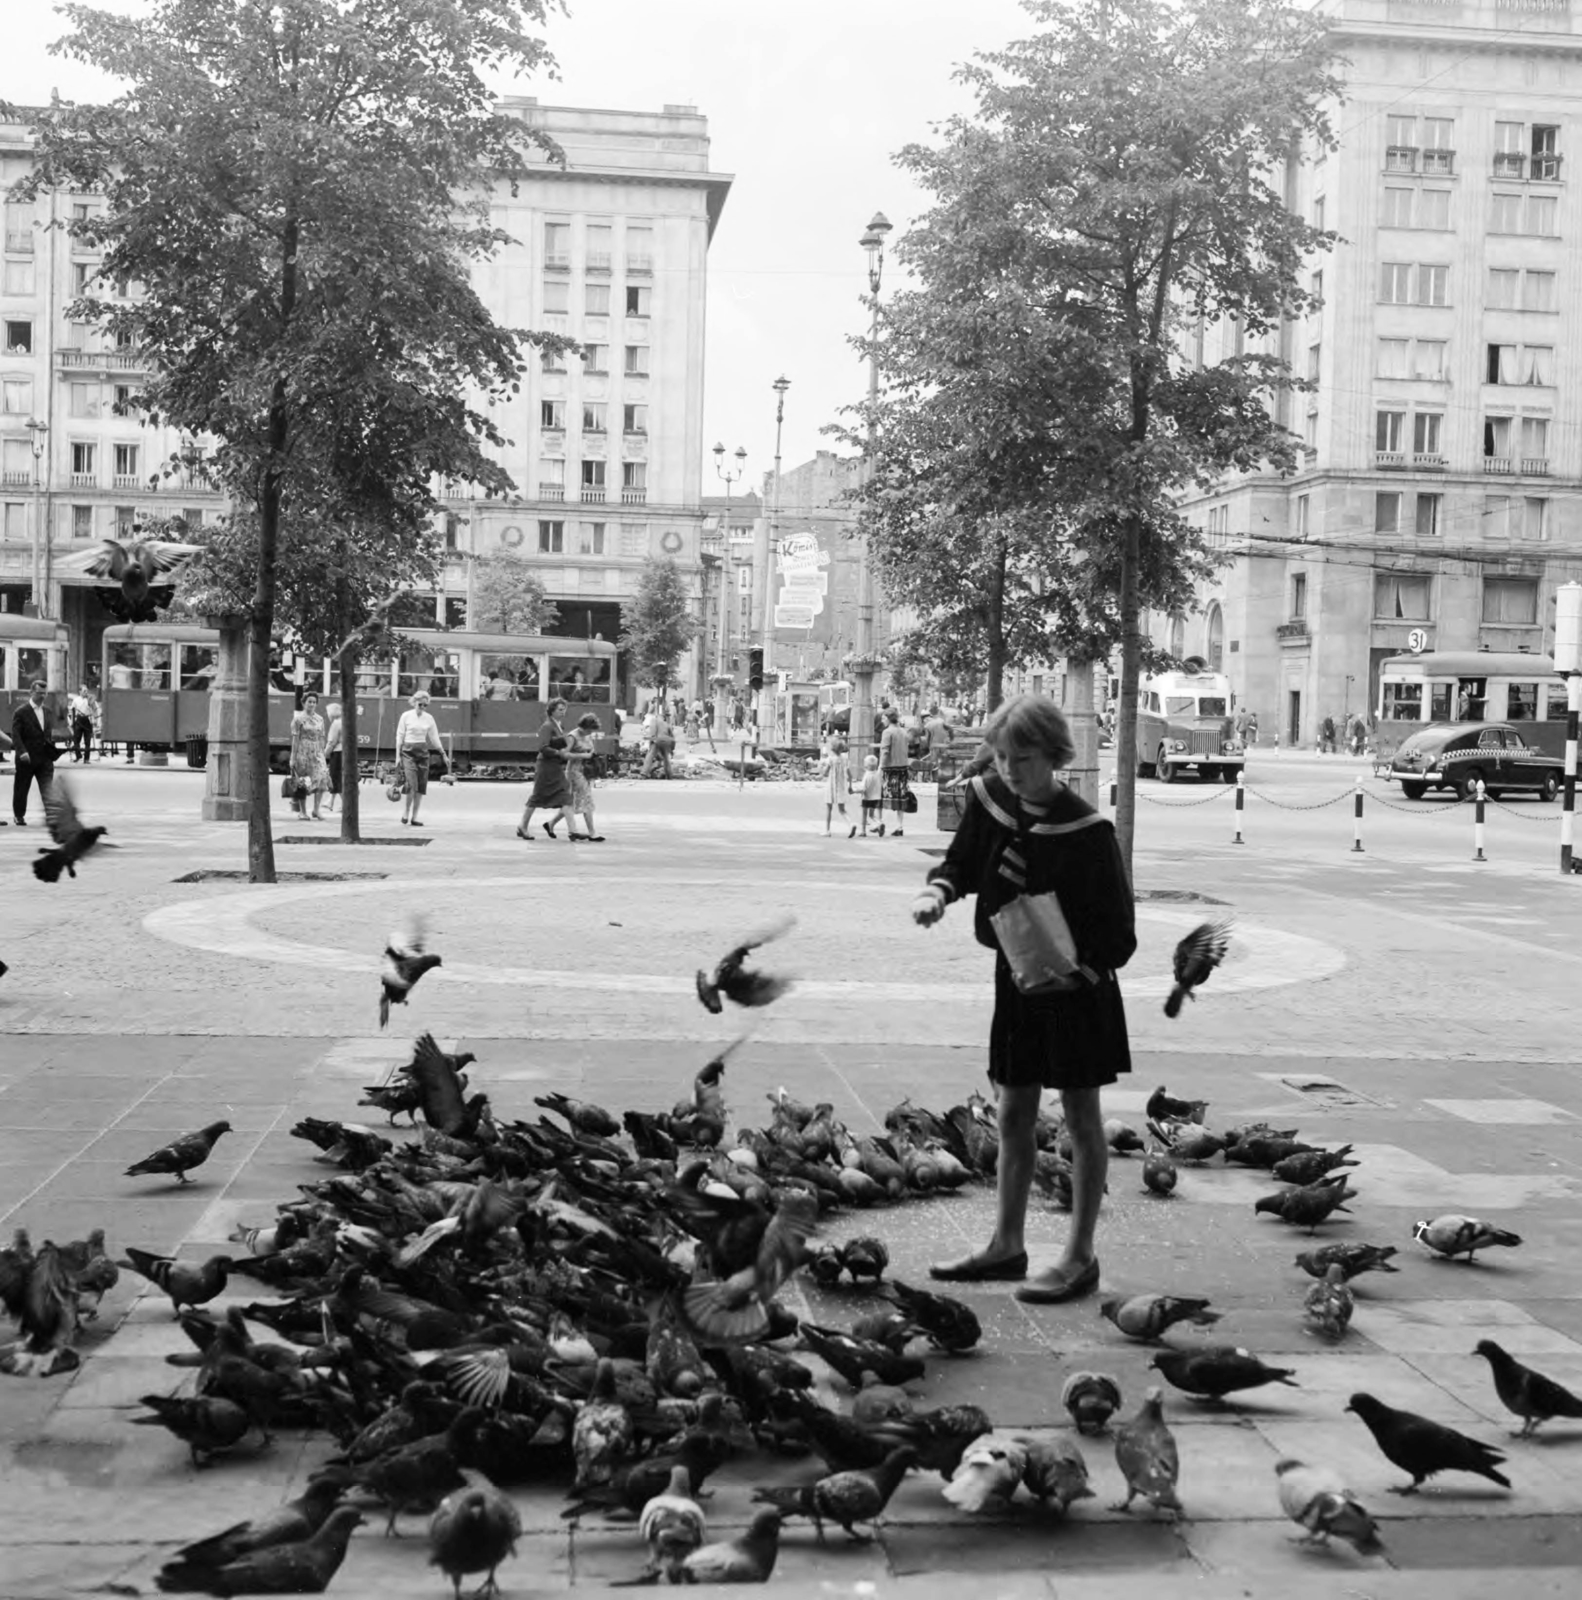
991,1468
1316,1498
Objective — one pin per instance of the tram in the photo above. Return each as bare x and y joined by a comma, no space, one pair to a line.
1471,686
32,648
488,690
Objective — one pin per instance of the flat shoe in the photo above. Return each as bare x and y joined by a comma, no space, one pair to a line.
521,835
981,1269
1050,1288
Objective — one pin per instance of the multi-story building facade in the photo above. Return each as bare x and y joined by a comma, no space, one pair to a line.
609,249
1437,502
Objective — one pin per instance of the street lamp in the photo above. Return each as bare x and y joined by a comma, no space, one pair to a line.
772,545
720,672
863,669
36,443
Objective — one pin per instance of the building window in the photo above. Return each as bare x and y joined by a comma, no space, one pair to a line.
1433,209
1316,291
1500,364
1537,365
596,300
1535,520
593,538
1395,283
16,397
639,250
1298,596
1386,511
634,538
193,517
1401,596
551,538
18,337
1397,207
82,522
598,246
1541,216
1505,213
551,478
1400,146
634,482
82,276
1428,514
13,521
18,277
634,419
1545,145
1302,511
1535,444
1428,359
596,358
557,245
1425,433
553,361
1394,358
1318,212
1497,437
123,399
125,523
1439,145
1310,431
593,417
638,299
126,461
637,360
82,400
1315,356
592,482
1510,159
557,294
1433,284
452,531
1389,429
1496,516
1513,601
1502,288
1538,291
552,413
82,459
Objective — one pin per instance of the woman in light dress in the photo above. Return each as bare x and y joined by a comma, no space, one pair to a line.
308,766
579,753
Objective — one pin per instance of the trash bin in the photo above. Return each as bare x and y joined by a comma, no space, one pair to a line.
198,750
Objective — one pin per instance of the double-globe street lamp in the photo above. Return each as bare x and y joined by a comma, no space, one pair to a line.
722,673
771,557
865,664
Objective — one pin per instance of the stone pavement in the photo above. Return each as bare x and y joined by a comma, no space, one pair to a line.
1373,1002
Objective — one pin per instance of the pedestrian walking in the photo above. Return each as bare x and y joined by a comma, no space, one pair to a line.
580,752
1026,838
835,769
416,734
1326,737
309,769
334,740
35,751
938,734
872,796
660,745
84,713
551,789
895,761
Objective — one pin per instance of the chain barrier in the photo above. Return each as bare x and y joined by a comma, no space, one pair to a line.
1525,815
1417,808
1282,805
1181,805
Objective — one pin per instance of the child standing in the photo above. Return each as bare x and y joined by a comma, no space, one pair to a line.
872,795
835,769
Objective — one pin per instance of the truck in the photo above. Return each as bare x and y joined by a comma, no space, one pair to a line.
1184,721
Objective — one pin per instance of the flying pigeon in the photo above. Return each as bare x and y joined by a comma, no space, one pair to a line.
1196,957
135,569
1530,1395
181,1155
1145,1451
72,840
1422,1447
1317,1499
1453,1235
740,983
764,1249
404,962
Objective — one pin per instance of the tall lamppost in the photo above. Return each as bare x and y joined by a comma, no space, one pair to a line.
721,673
37,443
863,667
772,548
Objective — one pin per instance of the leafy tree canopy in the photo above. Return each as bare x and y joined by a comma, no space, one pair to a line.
657,624
508,597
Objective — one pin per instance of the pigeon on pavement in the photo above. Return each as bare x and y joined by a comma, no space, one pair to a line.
290,1523
1196,957
843,1497
188,1283
473,1530
949,1325
1454,1235
1328,1306
1055,1473
206,1424
304,1568
1163,1105
181,1155
1424,1448
1317,1499
991,1471
1530,1395
1352,1259
1220,1370
1308,1206
1145,1451
672,1525
750,1558
1092,1398
1145,1316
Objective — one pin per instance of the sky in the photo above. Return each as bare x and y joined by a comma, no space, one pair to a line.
807,103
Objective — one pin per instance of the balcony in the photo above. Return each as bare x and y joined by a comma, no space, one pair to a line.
1439,163
1428,461
126,480
1535,466
1296,628
1400,158
19,242
101,360
1499,464
1509,164
1545,169
83,480
559,261
593,495
1394,459
639,266
634,497
551,491
14,477
599,263
553,436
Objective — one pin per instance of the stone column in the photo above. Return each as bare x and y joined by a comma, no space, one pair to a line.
1082,777
225,797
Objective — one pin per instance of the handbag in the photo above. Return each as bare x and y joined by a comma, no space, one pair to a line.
909,802
1036,941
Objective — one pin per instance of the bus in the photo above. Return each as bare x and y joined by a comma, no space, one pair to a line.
1471,686
32,648
488,690
1183,720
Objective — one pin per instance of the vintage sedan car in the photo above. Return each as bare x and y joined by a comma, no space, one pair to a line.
1458,755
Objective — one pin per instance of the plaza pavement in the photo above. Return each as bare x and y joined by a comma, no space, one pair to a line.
1407,1000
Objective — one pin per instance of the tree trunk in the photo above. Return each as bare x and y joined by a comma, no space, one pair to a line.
260,837
995,620
351,817
1126,752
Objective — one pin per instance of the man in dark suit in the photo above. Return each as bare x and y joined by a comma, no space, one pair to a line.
35,751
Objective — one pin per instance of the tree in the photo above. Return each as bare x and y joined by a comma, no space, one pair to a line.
508,597
296,191
657,624
1120,181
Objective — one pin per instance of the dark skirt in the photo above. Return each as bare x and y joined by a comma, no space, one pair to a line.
333,761
1062,1041
551,787
414,767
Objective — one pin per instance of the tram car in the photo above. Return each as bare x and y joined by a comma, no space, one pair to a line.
1441,686
32,648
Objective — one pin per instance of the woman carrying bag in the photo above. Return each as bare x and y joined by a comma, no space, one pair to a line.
1055,905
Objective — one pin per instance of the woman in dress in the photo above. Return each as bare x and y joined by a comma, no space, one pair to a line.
1024,833
416,734
308,766
333,752
551,789
579,753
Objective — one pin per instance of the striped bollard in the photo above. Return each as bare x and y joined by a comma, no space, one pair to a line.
1115,790
1356,820
1241,806
1477,825
1568,792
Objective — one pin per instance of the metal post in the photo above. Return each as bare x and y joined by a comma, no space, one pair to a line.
772,544
862,711
1356,826
1477,825
1241,806
36,443
1569,794
725,579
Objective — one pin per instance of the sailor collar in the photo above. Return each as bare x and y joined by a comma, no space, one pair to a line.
995,805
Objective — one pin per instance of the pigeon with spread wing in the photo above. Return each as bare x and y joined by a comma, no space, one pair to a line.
733,979
405,961
138,569
72,840
1196,957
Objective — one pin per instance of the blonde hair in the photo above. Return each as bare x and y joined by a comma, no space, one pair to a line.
1032,722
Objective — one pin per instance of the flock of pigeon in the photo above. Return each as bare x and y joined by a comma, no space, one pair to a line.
599,1302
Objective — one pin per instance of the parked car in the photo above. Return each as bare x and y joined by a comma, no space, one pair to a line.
1457,755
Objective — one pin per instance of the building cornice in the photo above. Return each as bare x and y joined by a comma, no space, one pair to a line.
716,185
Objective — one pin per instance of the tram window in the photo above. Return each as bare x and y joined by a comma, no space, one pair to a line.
435,671
373,679
499,677
580,679
30,666
527,680
123,666
3,678
1440,707
199,664
1470,699
1210,705
1556,708
1521,702
1403,702
153,667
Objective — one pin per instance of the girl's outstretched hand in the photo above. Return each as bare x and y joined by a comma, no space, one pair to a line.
928,907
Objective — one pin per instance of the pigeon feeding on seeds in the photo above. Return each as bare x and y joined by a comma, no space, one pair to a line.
1328,1306
1196,957
302,1568
1145,1316
738,982
206,1424
72,840
136,568
180,1156
748,1558
1092,1398
1353,1259
1452,1235
187,1283
1308,1206
1055,1473
1159,1174
843,1497
947,1324
1530,1395
1218,1371
1163,1106
991,1470
1317,1499
672,1525
290,1523
1308,1166
403,963
1422,1447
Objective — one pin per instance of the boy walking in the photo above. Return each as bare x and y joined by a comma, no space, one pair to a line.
872,796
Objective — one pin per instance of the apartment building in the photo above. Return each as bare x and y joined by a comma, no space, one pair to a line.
610,248
1437,503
